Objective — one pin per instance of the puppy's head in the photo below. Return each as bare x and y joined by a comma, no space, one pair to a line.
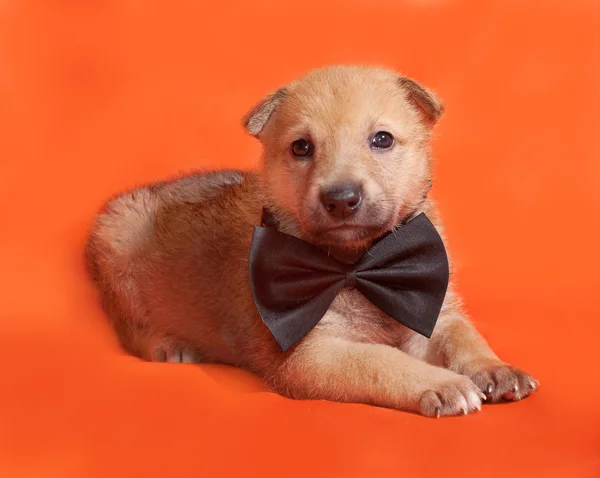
346,152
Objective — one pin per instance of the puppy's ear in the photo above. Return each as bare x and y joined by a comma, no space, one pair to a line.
255,120
424,99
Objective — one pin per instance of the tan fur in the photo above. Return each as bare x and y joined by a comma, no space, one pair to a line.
171,259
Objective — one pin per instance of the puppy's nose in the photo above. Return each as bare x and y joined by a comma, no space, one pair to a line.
342,200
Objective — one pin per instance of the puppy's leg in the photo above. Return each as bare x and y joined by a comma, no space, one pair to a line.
331,368
460,348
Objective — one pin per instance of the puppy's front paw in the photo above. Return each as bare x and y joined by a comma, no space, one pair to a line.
501,382
452,395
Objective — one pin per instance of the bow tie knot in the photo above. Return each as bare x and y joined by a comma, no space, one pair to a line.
404,274
350,282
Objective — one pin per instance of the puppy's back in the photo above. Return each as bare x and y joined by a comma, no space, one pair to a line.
161,256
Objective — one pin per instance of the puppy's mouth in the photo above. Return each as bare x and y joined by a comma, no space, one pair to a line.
348,234
354,233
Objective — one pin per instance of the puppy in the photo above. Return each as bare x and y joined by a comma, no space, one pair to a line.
346,160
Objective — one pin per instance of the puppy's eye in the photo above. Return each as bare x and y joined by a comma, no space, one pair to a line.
382,140
302,148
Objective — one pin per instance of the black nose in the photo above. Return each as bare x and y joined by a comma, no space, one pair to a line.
342,200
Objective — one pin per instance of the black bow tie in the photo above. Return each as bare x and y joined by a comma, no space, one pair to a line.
405,275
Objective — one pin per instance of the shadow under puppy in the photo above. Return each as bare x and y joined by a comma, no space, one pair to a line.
346,160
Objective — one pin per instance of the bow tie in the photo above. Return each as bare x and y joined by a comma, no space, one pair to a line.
405,275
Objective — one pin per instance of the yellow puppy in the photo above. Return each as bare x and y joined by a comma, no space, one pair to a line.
346,160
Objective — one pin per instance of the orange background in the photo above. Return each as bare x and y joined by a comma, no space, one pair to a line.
98,96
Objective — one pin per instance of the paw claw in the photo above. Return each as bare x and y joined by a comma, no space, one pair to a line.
173,353
500,381
450,395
